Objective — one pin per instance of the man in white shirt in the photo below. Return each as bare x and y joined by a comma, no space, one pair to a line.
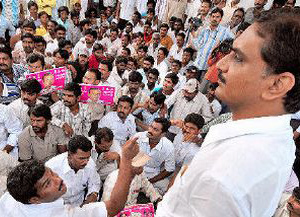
176,50
105,68
243,166
161,63
161,151
30,90
35,190
78,172
185,101
107,152
121,122
10,128
86,43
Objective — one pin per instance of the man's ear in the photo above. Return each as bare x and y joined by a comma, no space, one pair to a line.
35,200
279,85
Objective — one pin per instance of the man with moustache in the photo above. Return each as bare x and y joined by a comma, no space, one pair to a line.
41,140
71,115
10,72
161,151
20,55
254,12
244,164
134,88
21,108
208,38
121,122
289,205
78,172
186,101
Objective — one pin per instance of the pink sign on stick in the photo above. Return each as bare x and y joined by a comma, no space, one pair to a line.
99,94
51,79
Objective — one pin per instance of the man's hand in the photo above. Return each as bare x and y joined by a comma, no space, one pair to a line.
192,138
8,148
130,149
111,156
296,135
163,111
177,123
90,199
67,129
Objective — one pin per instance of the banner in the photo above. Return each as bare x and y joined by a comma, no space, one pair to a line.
51,79
97,94
139,210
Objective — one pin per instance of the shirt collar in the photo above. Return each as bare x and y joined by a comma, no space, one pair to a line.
262,125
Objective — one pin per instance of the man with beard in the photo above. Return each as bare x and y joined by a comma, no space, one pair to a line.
134,88
148,63
52,45
21,108
78,171
70,114
150,110
186,101
121,122
20,55
255,11
154,143
10,72
119,72
41,140
152,81
81,64
154,45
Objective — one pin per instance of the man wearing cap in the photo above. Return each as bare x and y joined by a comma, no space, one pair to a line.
161,151
186,101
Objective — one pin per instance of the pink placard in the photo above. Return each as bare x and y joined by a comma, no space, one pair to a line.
139,210
100,94
51,79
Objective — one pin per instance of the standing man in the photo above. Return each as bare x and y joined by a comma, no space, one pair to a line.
5,24
78,171
124,11
242,158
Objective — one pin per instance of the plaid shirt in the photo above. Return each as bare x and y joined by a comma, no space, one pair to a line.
80,123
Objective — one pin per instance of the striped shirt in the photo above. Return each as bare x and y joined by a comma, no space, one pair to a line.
19,73
10,93
206,41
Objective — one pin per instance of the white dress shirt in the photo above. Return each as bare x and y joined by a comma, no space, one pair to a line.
10,127
20,110
75,182
240,170
9,207
122,130
162,155
163,69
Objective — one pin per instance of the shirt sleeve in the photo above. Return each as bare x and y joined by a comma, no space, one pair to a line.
62,138
89,210
56,111
25,151
94,182
210,198
170,161
205,110
104,122
13,126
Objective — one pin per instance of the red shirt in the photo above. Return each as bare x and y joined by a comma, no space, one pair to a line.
93,62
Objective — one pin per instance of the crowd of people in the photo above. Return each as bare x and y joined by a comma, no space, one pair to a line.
198,125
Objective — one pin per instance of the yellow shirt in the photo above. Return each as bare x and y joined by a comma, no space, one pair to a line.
46,5
41,31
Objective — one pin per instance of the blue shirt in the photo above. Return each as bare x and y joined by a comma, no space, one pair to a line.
6,25
206,41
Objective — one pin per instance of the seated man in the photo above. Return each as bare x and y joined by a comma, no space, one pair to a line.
35,189
41,140
121,122
107,154
7,164
289,204
134,88
30,90
78,172
70,114
150,110
161,150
